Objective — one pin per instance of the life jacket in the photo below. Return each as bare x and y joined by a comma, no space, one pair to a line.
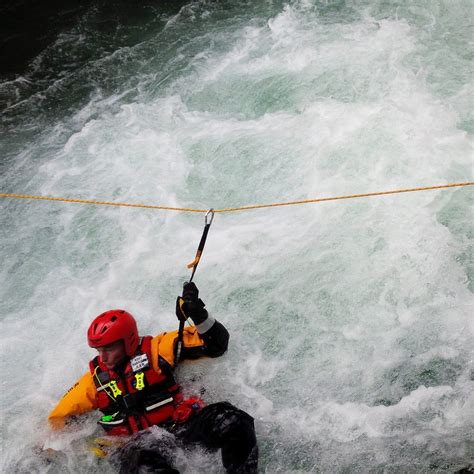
137,398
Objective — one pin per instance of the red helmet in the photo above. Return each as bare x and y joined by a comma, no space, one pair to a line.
112,326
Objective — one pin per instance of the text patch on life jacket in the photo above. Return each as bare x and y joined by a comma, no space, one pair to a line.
139,362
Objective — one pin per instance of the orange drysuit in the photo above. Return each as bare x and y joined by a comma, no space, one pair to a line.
82,396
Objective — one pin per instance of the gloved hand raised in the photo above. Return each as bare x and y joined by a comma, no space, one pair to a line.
190,305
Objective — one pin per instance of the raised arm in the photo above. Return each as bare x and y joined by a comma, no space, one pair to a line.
214,335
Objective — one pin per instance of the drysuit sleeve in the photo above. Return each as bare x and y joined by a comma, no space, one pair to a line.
210,338
214,335
80,398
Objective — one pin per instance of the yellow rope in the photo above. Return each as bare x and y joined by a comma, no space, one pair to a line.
101,203
233,209
338,198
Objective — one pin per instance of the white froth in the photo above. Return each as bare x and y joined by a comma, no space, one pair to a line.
351,327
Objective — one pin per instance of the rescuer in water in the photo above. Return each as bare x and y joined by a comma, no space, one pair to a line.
131,381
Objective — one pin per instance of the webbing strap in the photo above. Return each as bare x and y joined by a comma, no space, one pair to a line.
199,251
193,265
179,345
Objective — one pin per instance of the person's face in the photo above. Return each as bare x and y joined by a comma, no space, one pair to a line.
112,354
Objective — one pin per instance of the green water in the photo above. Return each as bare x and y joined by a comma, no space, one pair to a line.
351,322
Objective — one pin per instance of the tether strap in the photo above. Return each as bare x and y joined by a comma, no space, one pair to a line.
179,345
202,243
193,265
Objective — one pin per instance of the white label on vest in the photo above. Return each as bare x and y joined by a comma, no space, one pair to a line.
139,362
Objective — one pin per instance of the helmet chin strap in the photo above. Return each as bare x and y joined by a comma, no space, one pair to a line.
120,366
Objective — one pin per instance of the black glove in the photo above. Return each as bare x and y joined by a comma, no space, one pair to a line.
190,306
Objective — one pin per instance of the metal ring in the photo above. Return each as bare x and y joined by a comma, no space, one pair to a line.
210,211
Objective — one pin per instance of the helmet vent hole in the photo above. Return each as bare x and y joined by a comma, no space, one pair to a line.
122,311
103,329
113,318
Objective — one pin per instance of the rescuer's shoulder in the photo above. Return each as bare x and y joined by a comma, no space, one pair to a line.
80,398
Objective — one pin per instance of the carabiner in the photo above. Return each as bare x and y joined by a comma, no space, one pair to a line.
210,211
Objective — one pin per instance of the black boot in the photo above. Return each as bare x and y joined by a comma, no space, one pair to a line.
221,425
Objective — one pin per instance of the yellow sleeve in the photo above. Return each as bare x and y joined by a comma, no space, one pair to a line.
80,398
163,345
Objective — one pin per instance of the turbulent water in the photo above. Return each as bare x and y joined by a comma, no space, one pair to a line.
351,322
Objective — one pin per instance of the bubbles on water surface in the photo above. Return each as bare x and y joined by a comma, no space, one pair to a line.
350,322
